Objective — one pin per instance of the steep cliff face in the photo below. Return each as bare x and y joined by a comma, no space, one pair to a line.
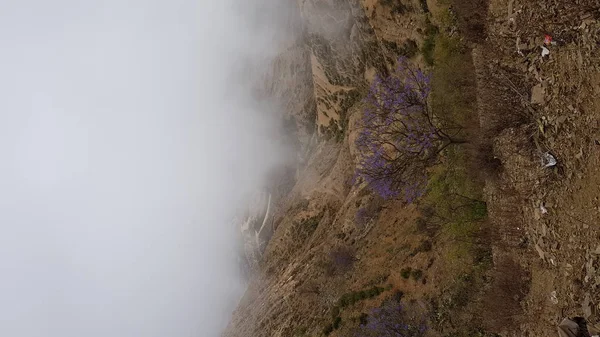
344,52
325,64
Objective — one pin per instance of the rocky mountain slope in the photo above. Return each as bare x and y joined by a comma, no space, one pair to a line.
335,251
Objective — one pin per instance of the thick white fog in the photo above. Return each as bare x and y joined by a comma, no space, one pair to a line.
127,140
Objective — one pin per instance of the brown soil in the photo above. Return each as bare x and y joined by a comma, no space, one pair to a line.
554,250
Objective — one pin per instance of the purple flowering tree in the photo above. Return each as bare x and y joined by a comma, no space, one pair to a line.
392,320
400,134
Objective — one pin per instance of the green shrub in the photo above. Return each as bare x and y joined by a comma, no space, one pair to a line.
428,47
479,210
335,311
345,300
396,6
405,273
426,246
336,322
356,296
398,295
417,274
409,48
300,331
363,318
362,295
375,291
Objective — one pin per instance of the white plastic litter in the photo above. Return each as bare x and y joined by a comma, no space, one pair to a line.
545,51
543,209
548,160
554,297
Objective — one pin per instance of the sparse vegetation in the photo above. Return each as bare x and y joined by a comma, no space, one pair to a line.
302,205
329,328
337,128
300,332
416,274
310,224
333,131
336,322
363,318
453,209
431,32
453,201
397,7
369,211
409,48
393,319
349,99
341,259
425,246
350,298
405,272
301,230
347,300
398,295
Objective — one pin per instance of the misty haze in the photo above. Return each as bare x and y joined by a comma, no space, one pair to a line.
129,140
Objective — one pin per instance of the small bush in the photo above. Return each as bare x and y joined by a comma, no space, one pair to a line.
417,274
426,223
398,295
375,291
362,295
392,319
356,296
409,48
483,162
345,300
428,47
368,212
396,6
425,246
363,318
302,205
327,330
300,331
335,311
308,225
405,273
336,322
399,9
341,259
478,210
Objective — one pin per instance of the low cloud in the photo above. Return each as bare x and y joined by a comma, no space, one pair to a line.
129,136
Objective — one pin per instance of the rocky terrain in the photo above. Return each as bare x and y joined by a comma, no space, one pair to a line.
335,250
554,209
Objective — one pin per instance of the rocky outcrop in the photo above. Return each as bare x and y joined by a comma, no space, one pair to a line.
344,53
